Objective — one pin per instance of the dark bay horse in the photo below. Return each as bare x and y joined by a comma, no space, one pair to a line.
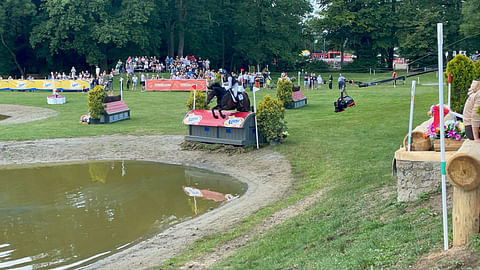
225,100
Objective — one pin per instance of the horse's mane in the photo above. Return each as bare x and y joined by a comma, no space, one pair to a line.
215,84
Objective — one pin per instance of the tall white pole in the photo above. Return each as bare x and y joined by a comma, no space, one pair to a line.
255,111
121,89
410,123
194,97
442,134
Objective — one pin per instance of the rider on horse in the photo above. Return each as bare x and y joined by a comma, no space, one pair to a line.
232,88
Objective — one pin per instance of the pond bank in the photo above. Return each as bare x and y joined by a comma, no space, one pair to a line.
266,172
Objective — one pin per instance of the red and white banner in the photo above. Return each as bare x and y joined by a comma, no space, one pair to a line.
176,85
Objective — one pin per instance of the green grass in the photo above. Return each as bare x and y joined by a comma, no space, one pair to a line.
356,225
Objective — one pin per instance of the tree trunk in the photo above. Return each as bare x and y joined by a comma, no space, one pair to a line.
171,40
181,28
342,51
390,57
14,57
393,31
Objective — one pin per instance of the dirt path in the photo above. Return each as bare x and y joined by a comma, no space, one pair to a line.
266,172
21,114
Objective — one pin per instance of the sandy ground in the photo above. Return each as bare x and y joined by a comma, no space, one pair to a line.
22,114
266,172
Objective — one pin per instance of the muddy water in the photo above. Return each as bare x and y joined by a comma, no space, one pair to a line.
69,215
3,117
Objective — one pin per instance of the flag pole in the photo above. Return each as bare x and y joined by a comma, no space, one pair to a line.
410,123
442,134
255,89
194,95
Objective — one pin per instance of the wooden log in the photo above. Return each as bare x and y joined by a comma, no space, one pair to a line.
419,142
463,171
465,214
463,168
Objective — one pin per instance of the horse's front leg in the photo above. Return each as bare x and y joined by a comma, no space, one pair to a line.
213,112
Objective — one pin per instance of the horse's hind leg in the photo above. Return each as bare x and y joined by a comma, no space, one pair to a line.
213,113
221,114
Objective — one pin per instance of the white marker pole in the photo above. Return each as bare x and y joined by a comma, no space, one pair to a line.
255,89
410,123
442,135
121,88
194,96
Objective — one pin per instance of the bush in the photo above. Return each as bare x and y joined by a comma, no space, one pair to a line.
271,119
284,91
200,101
95,102
463,72
476,68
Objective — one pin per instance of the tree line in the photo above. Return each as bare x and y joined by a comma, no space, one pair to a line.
38,36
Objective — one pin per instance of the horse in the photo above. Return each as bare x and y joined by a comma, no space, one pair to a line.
225,100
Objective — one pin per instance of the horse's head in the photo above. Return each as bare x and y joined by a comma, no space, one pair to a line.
214,90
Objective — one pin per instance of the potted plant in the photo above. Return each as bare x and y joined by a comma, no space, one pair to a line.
284,92
95,104
200,101
454,134
271,120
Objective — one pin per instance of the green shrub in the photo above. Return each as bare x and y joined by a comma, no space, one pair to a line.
271,119
95,102
200,101
218,78
476,68
284,91
463,72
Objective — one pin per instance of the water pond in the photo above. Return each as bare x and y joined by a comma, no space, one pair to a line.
70,215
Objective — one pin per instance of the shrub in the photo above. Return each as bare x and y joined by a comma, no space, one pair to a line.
284,91
95,102
200,101
476,68
271,119
463,72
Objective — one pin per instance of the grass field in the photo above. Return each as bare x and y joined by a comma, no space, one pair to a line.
357,225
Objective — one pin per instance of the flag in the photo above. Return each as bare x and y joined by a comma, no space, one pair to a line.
316,41
255,89
194,86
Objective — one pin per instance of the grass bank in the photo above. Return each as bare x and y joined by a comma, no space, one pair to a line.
357,225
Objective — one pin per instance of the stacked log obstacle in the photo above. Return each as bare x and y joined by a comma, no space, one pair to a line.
115,110
463,171
237,128
419,142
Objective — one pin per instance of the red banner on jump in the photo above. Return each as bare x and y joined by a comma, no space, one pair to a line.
176,85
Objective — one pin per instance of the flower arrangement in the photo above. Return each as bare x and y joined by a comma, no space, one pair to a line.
453,130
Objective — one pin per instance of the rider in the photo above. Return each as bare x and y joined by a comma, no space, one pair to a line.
233,87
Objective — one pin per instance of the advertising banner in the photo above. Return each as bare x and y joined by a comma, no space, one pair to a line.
44,85
176,85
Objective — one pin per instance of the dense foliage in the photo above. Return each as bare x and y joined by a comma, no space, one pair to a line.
284,91
271,118
462,70
95,102
39,36
200,101
377,30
